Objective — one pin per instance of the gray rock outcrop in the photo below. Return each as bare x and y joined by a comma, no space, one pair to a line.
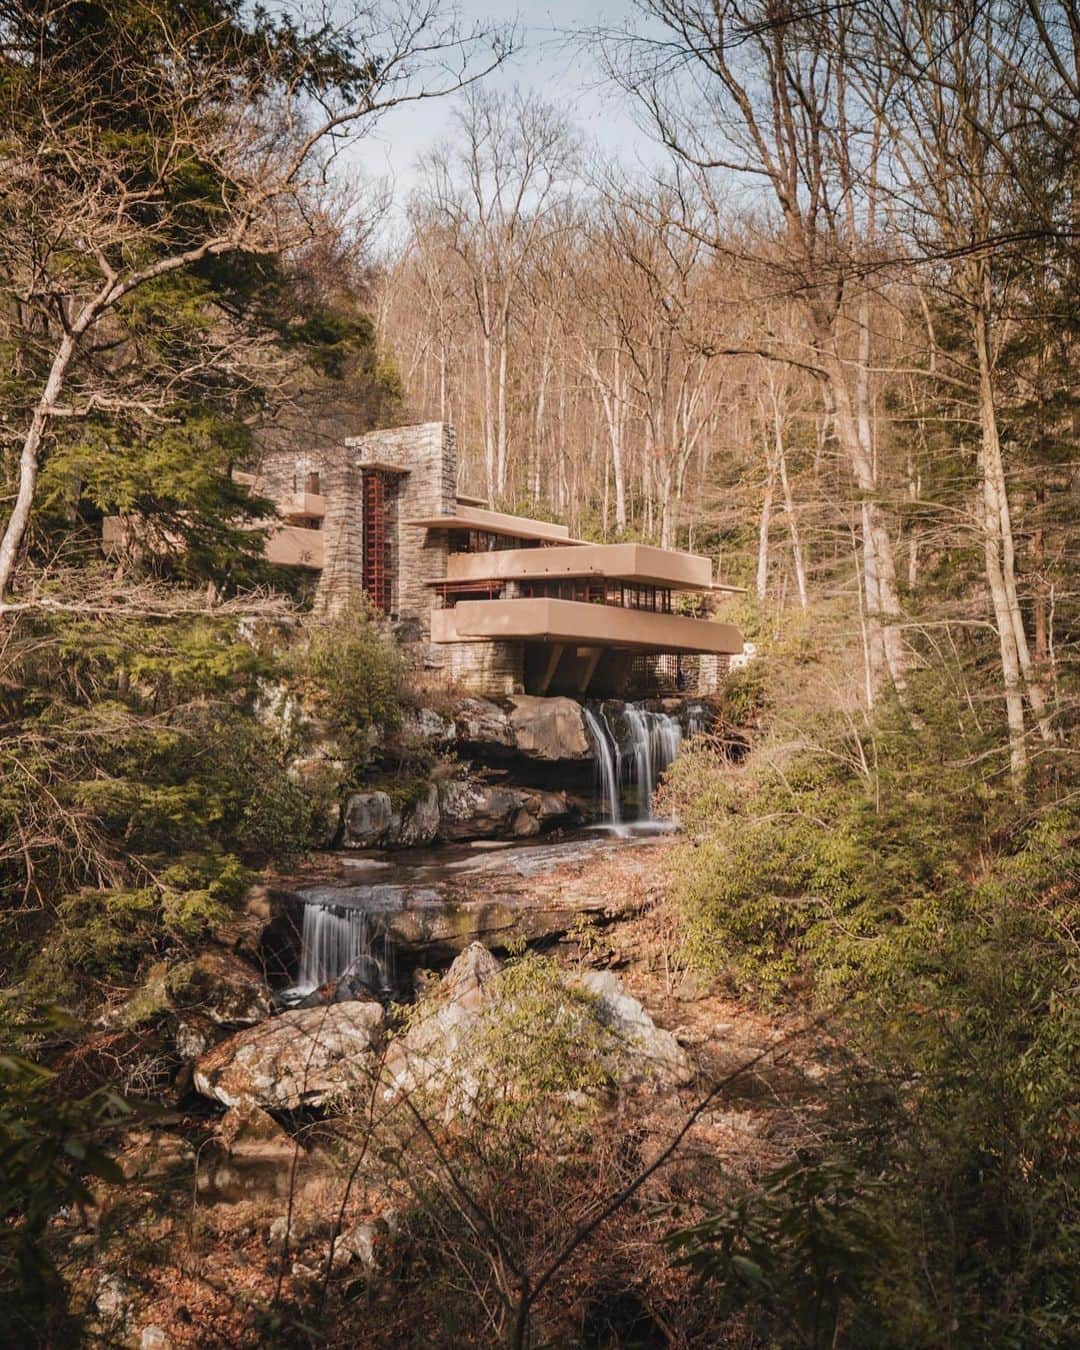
651,1052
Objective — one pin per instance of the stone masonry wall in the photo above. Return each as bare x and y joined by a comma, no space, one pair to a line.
491,669
428,451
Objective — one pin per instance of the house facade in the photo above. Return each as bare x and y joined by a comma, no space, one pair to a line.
502,603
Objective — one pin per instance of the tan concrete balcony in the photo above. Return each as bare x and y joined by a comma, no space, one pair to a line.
294,546
574,621
290,505
661,567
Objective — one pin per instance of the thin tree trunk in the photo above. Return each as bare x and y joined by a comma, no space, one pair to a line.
763,535
789,504
30,457
1000,527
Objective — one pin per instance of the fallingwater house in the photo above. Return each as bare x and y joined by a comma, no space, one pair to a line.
504,604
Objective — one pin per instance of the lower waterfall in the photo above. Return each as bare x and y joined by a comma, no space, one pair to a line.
631,768
607,764
655,738
339,941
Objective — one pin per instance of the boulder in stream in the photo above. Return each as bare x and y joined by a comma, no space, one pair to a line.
549,728
301,1058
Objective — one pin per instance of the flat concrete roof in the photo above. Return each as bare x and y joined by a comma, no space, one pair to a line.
496,522
546,620
642,563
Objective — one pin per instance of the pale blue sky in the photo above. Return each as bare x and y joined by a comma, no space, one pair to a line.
548,61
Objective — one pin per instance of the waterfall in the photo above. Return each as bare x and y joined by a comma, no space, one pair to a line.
655,738
695,719
339,941
607,764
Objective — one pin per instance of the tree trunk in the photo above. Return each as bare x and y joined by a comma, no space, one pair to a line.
30,459
999,528
763,535
789,505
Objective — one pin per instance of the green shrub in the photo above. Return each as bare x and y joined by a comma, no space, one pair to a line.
350,672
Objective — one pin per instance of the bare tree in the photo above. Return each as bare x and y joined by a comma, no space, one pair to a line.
958,118
249,117
757,96
496,194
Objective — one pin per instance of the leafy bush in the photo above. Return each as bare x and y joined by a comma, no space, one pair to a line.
350,672
48,1148
940,923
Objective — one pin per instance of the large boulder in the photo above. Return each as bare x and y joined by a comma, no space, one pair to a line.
480,722
218,985
472,810
369,818
549,728
651,1053
301,1058
433,1055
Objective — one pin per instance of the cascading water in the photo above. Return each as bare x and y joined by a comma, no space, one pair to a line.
338,941
695,719
607,764
652,740
655,738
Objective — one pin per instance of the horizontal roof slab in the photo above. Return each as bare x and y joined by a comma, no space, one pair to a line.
547,620
496,522
617,562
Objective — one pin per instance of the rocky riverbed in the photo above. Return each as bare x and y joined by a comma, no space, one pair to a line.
279,1168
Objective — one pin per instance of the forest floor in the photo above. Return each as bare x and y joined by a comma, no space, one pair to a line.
193,1249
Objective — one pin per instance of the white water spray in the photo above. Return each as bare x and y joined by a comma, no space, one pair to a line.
655,738
341,940
607,765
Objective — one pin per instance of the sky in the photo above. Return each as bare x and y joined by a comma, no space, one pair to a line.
548,62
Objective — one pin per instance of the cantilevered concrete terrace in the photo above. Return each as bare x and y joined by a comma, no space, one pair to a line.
543,619
624,562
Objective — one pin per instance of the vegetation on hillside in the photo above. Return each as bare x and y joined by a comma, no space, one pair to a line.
833,344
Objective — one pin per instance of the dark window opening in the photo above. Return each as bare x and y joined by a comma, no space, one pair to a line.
600,591
378,562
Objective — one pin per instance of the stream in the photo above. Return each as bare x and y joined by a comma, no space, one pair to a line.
434,900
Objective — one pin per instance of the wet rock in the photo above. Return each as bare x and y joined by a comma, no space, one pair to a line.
652,1053
471,810
549,728
362,980
369,818
480,722
301,1058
